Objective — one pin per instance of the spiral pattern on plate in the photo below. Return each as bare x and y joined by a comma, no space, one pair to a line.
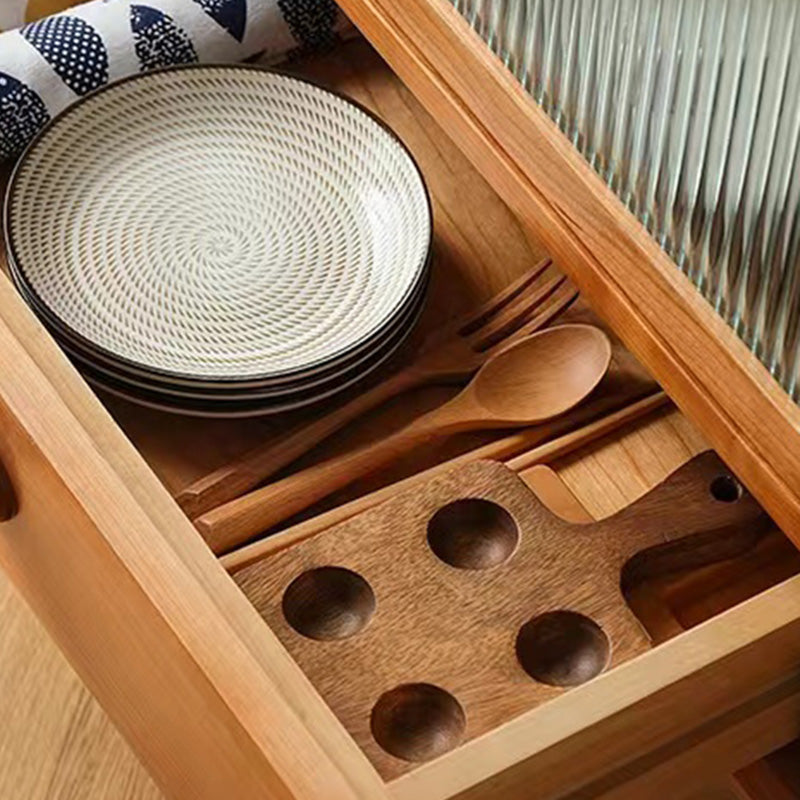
223,223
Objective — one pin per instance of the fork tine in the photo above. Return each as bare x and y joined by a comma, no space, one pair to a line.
477,317
514,315
560,302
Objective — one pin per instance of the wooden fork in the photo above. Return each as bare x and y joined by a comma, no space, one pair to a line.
450,355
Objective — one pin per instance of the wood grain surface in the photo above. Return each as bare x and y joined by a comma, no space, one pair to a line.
57,744
650,453
455,628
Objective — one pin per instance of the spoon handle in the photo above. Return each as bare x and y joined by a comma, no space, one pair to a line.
237,521
264,460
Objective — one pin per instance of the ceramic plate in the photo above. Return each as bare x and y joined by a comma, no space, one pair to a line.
219,223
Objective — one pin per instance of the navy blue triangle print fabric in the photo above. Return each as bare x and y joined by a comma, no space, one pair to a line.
74,50
47,65
311,21
22,114
230,14
159,42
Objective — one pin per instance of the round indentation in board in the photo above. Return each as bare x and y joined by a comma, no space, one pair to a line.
473,534
562,648
328,603
725,489
417,721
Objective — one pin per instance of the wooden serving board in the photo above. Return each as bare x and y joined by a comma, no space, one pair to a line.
456,621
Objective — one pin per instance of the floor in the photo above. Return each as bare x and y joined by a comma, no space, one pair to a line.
56,743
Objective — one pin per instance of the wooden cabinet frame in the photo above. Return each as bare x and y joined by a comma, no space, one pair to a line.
143,610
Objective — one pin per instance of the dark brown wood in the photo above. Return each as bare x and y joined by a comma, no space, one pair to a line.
8,497
435,622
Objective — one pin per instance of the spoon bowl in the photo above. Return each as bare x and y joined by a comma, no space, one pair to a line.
541,376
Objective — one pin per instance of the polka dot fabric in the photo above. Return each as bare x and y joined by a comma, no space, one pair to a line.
159,42
50,63
22,113
311,21
231,14
74,50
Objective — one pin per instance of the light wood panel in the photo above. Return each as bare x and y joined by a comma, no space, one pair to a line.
56,743
698,764
123,582
613,473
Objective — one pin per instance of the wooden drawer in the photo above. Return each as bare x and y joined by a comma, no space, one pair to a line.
203,689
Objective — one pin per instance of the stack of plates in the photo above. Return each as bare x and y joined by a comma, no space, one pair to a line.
220,241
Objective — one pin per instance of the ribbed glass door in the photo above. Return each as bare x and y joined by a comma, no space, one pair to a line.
690,111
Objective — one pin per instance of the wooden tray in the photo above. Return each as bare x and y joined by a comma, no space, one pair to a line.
437,586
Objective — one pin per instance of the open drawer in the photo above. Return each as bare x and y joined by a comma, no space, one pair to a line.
210,699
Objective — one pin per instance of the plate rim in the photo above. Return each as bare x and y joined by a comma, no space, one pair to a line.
322,375
256,409
309,393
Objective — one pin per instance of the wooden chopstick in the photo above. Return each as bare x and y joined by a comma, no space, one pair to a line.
509,448
570,442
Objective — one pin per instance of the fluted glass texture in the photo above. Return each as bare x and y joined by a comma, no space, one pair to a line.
690,111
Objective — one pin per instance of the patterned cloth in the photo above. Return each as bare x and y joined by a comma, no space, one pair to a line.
48,64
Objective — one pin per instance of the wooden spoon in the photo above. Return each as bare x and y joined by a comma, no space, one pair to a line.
534,380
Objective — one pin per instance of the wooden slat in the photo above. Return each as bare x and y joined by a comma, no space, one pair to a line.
55,741
644,454
695,766
710,374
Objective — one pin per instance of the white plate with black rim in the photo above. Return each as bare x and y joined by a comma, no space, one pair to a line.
221,228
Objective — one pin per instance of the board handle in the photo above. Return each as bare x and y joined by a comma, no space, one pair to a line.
719,519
